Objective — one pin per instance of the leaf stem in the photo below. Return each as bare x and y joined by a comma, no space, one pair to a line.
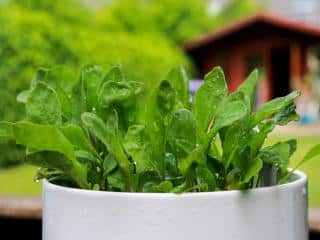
268,175
211,124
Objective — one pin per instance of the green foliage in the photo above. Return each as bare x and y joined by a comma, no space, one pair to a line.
159,147
71,11
178,22
236,10
207,100
49,33
56,32
169,18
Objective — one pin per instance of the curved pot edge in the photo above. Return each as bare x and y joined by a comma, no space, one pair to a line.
300,179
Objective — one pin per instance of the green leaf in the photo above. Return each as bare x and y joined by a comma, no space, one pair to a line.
248,87
230,145
116,182
180,188
164,187
43,105
65,101
207,100
276,105
149,187
156,116
214,152
253,169
23,96
61,76
148,180
230,113
276,160
166,97
50,140
108,135
91,76
77,137
109,164
245,167
286,115
257,138
78,102
115,94
62,79
136,86
182,133
205,178
114,75
180,82
233,179
96,126
196,156
96,187
87,157
277,154
48,159
137,145
292,146
171,166
39,76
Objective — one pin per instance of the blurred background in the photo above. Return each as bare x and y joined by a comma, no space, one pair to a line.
148,37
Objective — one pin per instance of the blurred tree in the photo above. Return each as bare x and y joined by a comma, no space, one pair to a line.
176,20
71,11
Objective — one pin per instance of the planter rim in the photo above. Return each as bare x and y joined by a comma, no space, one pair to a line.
299,178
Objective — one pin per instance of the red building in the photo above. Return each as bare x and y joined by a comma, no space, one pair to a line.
277,45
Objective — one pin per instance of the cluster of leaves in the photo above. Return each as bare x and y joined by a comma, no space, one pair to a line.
61,32
73,33
102,133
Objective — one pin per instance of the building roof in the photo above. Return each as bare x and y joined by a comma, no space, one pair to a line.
262,19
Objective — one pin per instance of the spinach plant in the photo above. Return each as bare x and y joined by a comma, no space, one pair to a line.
104,132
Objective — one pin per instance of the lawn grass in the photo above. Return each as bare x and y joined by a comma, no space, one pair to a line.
19,180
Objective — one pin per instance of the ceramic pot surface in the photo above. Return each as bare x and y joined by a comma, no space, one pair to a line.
269,213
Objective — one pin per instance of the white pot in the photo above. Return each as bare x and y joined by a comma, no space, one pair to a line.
270,213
